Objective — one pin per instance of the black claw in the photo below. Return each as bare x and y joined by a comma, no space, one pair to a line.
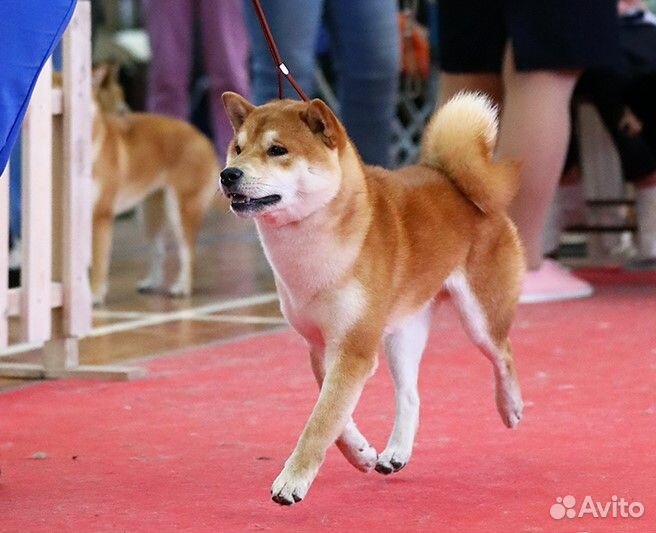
176,295
146,290
397,465
296,498
383,469
280,500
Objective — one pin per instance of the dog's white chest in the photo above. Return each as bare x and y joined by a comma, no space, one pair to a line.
329,315
304,324
312,270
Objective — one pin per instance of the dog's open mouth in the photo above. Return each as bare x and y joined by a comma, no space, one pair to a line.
242,203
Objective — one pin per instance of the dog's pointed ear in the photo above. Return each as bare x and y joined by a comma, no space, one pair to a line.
99,75
113,72
321,121
237,108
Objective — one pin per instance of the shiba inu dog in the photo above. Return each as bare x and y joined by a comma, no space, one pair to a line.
164,164
362,255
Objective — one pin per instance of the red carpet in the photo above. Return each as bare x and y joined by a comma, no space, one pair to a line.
196,445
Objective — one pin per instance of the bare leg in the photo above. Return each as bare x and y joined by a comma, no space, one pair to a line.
353,444
535,129
403,349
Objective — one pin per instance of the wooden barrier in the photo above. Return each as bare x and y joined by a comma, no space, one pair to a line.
56,222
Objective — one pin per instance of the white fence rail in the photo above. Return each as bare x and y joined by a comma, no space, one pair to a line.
56,222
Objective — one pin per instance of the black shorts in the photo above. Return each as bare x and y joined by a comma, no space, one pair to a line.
545,34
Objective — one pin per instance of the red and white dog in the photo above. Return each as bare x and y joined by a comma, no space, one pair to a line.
361,255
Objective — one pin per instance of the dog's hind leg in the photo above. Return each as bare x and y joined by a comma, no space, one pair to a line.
403,350
102,247
187,202
154,223
185,216
354,445
486,304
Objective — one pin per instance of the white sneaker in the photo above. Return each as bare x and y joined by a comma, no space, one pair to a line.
552,282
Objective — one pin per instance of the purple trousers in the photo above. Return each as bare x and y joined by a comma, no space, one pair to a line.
225,57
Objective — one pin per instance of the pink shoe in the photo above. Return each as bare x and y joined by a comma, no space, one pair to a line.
552,282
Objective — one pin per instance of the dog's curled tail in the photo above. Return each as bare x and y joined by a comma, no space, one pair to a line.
459,140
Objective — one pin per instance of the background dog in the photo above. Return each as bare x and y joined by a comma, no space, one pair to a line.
164,164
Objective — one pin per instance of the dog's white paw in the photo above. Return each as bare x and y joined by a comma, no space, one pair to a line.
179,290
510,406
148,284
291,486
98,295
392,460
363,457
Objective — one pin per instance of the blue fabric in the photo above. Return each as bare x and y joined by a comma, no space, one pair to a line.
364,38
30,30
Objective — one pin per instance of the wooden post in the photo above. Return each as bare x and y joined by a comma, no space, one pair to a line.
76,201
37,212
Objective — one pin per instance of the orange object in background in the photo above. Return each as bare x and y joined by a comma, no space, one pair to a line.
415,47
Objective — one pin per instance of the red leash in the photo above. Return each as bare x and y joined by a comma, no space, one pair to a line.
281,68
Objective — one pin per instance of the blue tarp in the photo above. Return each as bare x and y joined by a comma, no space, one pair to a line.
30,30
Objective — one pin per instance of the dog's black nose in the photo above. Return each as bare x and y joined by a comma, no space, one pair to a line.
231,175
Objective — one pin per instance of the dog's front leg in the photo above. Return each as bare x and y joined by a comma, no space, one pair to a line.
346,375
354,445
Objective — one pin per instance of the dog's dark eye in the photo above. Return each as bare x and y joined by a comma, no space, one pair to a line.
276,150
237,149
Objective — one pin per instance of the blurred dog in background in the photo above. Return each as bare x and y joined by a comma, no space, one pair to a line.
163,164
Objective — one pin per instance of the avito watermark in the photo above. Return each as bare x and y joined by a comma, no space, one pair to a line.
566,507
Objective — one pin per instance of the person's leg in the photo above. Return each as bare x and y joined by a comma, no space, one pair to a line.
646,217
225,53
169,26
15,211
534,129
15,191
570,197
295,27
366,40
641,99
